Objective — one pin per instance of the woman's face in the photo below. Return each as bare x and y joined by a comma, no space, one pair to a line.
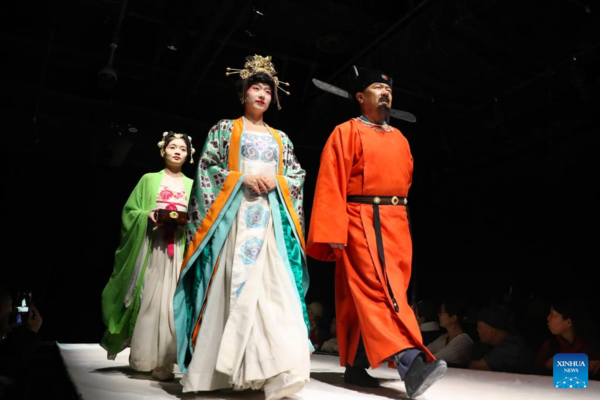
258,97
556,322
445,318
176,152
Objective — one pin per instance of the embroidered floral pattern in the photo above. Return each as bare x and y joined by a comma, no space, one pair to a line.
165,193
256,217
219,179
250,251
194,216
205,182
259,147
172,196
209,199
296,192
300,212
226,125
205,162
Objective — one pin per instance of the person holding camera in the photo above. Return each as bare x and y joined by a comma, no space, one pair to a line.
19,340
137,302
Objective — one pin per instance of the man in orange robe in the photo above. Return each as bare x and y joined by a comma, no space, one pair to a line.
360,221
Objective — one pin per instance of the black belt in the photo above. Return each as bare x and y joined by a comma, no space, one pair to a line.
381,200
376,201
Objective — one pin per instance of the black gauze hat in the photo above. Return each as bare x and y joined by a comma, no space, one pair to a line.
367,77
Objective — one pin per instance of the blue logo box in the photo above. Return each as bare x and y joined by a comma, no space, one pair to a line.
570,371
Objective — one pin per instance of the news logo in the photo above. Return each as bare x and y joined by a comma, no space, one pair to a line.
570,371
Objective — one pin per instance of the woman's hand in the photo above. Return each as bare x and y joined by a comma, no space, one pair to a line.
268,181
259,184
337,246
152,216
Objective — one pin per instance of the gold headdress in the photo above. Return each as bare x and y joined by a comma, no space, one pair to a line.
255,65
161,144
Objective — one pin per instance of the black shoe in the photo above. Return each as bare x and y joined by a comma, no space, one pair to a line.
359,377
421,376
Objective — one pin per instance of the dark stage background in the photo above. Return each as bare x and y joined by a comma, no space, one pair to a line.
507,96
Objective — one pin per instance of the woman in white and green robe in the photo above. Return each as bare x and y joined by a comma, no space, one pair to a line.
137,302
239,306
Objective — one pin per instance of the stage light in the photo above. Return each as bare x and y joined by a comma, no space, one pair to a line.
107,78
254,21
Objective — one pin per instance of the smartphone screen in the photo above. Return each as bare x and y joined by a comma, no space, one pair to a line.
24,301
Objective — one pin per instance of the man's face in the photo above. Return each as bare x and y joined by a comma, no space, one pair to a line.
375,96
485,332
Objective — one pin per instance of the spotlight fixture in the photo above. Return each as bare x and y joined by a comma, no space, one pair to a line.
107,75
124,129
107,78
254,19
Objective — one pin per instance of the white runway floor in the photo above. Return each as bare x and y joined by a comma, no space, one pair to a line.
96,378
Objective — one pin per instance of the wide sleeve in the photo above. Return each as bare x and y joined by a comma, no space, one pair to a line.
211,175
291,184
329,219
134,223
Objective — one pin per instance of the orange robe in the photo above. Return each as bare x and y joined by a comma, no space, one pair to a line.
363,159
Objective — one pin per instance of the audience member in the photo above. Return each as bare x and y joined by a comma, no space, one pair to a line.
319,329
455,346
574,332
508,353
18,344
428,320
331,345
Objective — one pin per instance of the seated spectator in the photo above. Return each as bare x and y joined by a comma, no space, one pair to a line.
574,332
319,331
331,345
455,346
18,344
428,321
508,350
